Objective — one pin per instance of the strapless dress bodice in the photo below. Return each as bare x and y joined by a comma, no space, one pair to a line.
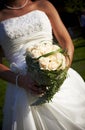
18,33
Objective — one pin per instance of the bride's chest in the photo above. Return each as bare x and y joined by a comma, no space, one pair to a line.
27,24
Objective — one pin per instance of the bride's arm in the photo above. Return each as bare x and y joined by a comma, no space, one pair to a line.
5,72
59,30
23,81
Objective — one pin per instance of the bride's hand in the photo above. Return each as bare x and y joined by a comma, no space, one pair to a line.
27,83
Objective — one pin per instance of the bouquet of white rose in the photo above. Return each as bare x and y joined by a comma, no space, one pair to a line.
47,66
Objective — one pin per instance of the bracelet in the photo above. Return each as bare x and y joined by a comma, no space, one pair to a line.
17,80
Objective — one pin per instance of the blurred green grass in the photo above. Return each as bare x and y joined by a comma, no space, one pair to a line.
2,94
79,56
78,64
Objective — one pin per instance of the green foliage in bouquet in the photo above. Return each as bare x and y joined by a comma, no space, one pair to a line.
50,81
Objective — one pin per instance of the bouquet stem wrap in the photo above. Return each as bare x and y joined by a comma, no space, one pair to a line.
47,67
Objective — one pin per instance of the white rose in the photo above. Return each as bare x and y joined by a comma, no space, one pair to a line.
46,48
35,53
61,60
44,62
55,47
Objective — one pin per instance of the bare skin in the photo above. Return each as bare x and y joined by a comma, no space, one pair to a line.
59,31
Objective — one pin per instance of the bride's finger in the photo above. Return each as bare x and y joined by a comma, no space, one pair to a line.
36,90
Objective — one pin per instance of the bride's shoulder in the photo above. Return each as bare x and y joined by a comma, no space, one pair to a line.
3,14
43,3
45,6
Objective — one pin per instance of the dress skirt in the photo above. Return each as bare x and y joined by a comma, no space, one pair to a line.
66,111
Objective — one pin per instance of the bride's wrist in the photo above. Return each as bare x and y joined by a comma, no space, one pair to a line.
19,80
67,61
69,57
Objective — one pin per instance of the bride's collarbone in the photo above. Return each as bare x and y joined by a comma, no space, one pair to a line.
14,13
10,14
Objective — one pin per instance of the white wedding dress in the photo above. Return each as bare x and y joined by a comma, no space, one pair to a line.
67,109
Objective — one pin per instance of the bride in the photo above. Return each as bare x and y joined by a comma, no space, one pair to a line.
22,24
